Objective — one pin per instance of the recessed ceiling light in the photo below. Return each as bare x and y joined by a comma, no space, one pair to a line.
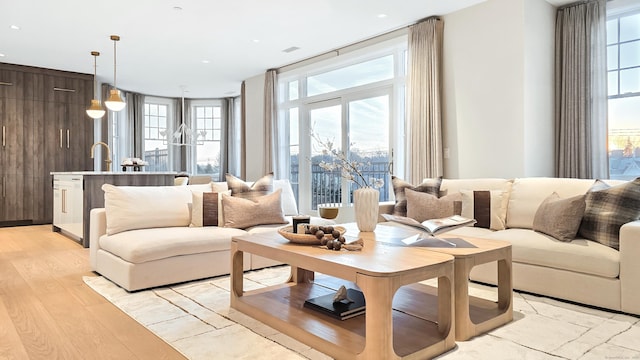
255,40
15,27
1,55
291,49
177,8
205,61
382,16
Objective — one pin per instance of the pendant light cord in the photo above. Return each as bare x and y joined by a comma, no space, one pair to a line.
95,72
115,39
114,63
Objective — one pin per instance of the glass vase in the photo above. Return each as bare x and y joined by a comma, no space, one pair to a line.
365,202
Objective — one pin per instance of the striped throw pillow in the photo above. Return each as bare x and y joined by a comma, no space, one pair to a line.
487,207
239,188
429,186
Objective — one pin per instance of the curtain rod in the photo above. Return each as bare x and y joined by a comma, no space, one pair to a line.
354,46
578,3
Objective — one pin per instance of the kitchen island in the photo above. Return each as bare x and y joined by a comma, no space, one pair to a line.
75,193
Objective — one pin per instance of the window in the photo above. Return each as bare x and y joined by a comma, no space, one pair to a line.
623,70
155,147
207,120
357,102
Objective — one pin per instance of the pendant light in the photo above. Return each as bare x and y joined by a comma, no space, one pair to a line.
115,102
95,111
184,135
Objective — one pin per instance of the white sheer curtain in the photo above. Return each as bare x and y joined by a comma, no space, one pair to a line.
424,108
581,91
273,161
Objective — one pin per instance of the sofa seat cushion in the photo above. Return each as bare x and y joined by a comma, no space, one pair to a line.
471,231
579,255
140,246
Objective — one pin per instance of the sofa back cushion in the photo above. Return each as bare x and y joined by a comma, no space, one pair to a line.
142,207
289,206
450,186
527,194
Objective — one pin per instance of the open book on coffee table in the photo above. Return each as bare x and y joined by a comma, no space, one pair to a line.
432,226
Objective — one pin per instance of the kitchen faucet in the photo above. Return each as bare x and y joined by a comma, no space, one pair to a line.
108,161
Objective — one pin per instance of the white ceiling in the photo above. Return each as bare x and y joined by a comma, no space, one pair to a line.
164,42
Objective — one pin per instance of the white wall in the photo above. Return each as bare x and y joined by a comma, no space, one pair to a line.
498,93
539,143
254,90
498,103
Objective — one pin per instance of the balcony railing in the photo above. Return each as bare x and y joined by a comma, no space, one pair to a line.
326,186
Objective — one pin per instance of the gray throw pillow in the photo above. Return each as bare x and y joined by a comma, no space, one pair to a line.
560,218
607,210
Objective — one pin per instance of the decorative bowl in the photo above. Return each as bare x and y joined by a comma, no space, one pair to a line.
309,239
328,212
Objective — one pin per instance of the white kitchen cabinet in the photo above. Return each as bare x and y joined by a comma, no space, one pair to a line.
68,205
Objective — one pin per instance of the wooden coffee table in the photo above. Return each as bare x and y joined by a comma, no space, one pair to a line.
413,325
474,315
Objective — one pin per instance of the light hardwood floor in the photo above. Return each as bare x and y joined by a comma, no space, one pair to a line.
47,312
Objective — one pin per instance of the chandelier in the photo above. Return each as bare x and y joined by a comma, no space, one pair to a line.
184,135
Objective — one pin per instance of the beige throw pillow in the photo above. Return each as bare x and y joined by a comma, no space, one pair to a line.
243,213
560,218
206,208
487,207
422,206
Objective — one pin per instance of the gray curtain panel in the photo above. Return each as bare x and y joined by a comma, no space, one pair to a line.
581,91
180,154
135,112
272,134
424,101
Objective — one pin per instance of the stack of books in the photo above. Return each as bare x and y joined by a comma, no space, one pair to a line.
340,310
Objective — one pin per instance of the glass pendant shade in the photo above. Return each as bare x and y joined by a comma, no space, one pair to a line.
95,111
115,102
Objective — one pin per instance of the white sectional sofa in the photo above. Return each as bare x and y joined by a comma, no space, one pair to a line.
579,270
142,244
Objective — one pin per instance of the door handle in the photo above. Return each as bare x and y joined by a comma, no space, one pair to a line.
60,138
64,201
4,136
68,131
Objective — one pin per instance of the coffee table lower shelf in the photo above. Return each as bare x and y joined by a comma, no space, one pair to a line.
281,307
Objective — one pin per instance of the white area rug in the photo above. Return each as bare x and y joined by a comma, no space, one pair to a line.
196,320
